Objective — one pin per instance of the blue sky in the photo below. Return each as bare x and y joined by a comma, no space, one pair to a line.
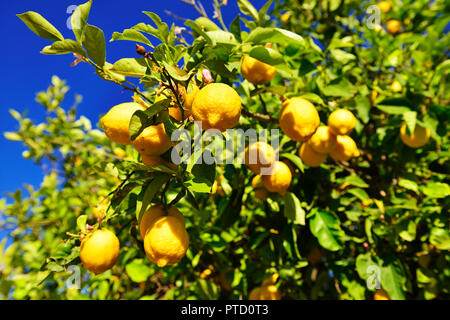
25,71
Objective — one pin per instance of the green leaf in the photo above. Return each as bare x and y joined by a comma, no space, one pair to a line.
341,56
339,87
94,43
263,11
54,267
363,261
275,35
293,210
81,223
64,47
407,230
203,180
294,159
267,55
325,226
13,136
248,9
79,19
131,67
359,193
138,271
354,180
206,24
312,97
163,28
152,188
197,29
208,290
436,190
131,35
142,119
440,238
40,26
222,37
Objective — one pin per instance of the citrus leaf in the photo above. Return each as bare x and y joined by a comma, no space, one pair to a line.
138,271
40,26
131,35
293,210
294,159
64,47
94,43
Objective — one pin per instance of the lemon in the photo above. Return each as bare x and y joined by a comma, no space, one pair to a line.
419,138
255,71
99,250
271,280
279,179
341,122
259,155
380,294
188,99
299,119
323,140
269,292
396,86
152,141
345,149
116,122
166,241
155,212
310,157
100,209
385,6
217,106
393,26
258,186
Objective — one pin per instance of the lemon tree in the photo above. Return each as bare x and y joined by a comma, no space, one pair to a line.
356,202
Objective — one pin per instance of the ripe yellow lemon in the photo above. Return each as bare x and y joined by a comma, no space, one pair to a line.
166,241
299,119
217,106
380,294
323,140
269,292
153,141
255,71
345,149
155,212
310,157
258,186
99,250
156,161
385,6
419,138
259,155
393,26
116,122
100,209
396,86
280,178
341,122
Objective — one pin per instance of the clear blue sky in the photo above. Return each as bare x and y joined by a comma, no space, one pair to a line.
25,71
